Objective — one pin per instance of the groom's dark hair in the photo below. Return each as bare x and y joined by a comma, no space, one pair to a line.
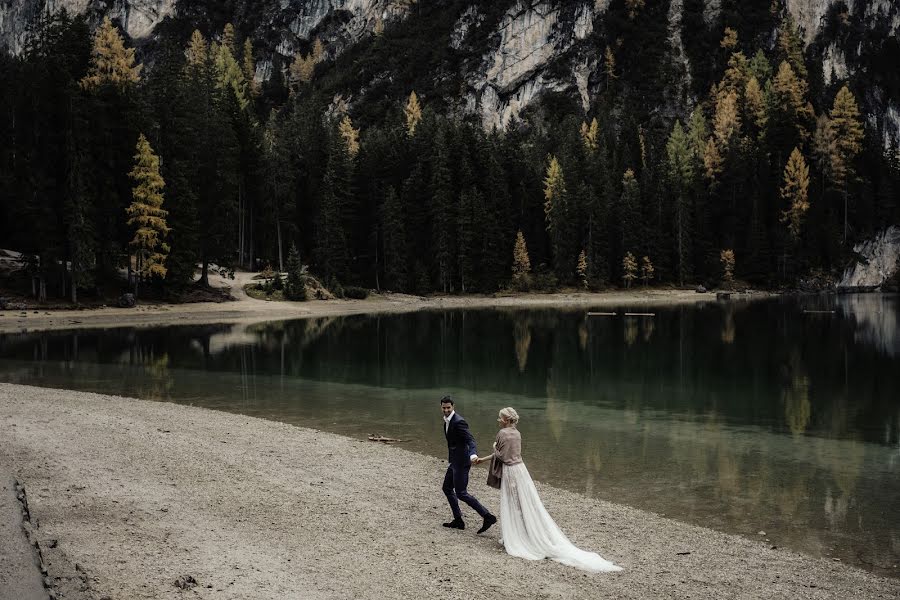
448,399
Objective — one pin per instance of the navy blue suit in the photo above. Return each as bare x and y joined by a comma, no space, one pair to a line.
460,448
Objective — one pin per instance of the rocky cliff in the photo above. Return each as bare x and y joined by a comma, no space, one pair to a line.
535,47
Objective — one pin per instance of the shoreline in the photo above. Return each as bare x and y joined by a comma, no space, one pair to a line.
249,310
148,493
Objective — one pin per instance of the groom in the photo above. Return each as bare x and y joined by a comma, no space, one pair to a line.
461,451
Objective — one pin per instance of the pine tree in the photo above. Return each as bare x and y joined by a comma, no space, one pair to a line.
112,63
629,269
147,215
790,46
295,286
413,112
680,172
555,211
795,193
848,135
647,270
279,180
393,229
630,212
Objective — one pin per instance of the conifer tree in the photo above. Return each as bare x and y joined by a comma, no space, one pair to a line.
729,39
394,239
521,269
727,123
248,66
295,286
755,107
629,269
589,135
848,135
581,269
350,135
609,66
795,192
647,270
555,211
680,172
111,63
147,215
790,46
726,258
413,112
278,175
631,212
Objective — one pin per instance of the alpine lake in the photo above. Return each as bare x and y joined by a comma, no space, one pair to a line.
775,419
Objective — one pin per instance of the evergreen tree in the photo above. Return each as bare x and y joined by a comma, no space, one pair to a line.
350,135
631,213
556,213
147,215
680,172
295,287
393,228
848,136
647,270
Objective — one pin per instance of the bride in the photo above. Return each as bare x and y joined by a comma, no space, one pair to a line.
527,528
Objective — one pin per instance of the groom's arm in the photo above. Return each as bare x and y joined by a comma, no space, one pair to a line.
467,436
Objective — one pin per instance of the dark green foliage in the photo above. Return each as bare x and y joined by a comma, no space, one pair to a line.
295,287
437,211
356,293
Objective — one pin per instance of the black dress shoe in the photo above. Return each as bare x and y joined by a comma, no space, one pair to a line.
456,524
488,522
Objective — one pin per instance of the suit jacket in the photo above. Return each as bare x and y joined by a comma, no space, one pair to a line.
460,443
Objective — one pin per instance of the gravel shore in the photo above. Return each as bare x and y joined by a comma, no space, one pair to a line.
137,499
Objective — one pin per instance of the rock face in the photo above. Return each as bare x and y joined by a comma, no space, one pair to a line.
535,47
880,260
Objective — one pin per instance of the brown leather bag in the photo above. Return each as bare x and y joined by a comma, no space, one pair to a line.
495,472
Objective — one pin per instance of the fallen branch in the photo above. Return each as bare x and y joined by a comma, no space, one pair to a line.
380,438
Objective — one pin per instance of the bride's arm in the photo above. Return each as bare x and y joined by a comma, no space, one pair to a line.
479,460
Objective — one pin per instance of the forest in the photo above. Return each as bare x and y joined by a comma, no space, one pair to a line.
190,163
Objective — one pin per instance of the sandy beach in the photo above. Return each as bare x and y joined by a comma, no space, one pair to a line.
129,498
245,309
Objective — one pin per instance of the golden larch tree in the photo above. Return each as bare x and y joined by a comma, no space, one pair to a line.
111,62
795,192
413,112
350,135
147,215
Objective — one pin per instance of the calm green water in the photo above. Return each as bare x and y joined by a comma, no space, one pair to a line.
752,417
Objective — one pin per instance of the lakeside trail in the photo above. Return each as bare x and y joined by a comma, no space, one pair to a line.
245,309
141,495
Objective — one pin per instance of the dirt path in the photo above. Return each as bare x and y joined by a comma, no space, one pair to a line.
247,310
142,494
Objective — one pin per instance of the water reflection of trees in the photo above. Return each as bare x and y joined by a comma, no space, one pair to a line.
684,360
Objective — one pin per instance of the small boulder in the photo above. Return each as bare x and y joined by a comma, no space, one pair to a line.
701,289
127,301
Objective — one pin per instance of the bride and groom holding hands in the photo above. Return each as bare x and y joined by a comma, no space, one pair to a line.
526,528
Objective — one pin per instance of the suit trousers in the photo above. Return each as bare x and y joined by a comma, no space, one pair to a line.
455,482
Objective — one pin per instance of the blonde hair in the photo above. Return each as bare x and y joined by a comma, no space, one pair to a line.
510,414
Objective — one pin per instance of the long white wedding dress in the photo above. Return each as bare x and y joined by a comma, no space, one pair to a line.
528,531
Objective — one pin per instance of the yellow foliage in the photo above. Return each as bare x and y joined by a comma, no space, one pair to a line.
350,135
796,192
111,62
413,112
